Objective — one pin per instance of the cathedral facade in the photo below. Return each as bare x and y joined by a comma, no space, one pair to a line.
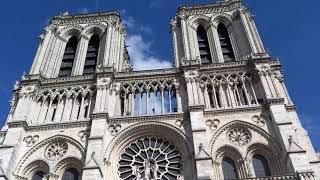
222,112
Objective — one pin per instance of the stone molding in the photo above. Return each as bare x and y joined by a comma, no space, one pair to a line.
237,110
110,17
209,8
45,127
146,118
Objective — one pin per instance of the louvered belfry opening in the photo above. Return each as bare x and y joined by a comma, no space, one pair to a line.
68,57
225,43
92,55
204,47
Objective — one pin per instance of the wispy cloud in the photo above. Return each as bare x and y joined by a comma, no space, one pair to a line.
134,26
142,56
140,49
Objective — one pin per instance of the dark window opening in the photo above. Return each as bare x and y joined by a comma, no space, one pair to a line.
71,174
225,43
68,57
92,55
204,48
229,169
261,167
38,175
86,111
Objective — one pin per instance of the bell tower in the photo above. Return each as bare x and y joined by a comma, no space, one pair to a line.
229,76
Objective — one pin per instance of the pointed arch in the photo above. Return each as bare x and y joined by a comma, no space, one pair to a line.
94,29
36,169
26,158
203,43
69,57
225,42
92,55
67,164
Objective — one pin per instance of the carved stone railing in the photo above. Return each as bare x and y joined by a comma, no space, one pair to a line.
297,176
149,97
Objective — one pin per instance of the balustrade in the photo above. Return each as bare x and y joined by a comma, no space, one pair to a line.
61,105
229,91
149,98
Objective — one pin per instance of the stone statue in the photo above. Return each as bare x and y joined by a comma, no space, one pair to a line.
137,172
150,170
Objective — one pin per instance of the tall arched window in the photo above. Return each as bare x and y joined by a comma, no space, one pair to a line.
229,169
92,55
204,47
71,174
260,165
38,175
225,43
68,57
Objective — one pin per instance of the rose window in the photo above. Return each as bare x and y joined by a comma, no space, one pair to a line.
56,150
239,136
150,159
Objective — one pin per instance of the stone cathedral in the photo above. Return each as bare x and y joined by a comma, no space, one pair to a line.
221,113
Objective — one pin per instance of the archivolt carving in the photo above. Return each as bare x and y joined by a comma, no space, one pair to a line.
68,162
197,20
228,151
223,18
44,143
91,29
37,165
242,124
68,31
148,129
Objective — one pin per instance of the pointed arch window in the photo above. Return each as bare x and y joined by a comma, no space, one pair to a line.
229,169
68,57
71,174
204,48
92,55
38,175
260,165
225,43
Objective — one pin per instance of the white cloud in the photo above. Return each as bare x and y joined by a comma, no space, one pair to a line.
132,25
141,54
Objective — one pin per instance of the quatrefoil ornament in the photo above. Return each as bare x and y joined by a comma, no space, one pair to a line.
259,120
114,129
213,124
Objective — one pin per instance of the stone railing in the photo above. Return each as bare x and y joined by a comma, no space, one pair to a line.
298,176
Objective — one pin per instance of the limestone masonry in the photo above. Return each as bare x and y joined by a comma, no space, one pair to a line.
223,112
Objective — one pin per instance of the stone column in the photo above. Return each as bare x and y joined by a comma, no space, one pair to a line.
80,56
185,38
248,32
44,45
234,43
217,44
52,69
175,45
212,43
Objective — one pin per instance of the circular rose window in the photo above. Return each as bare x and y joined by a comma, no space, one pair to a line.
150,159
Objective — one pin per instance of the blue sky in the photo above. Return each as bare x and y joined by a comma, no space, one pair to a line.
288,28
